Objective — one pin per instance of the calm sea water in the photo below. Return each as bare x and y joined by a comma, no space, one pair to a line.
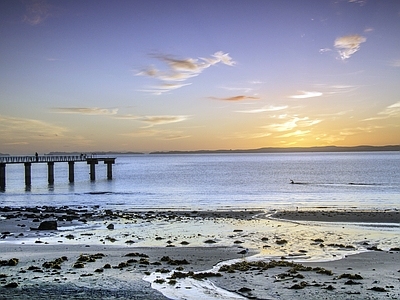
218,181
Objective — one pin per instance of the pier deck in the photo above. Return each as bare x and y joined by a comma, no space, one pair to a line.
91,160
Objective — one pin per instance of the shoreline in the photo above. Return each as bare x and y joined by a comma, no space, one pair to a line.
81,260
340,215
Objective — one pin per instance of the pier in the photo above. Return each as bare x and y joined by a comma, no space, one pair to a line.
51,160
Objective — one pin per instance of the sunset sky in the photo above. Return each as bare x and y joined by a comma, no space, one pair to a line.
96,75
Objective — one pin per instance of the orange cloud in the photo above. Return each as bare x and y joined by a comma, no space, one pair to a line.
237,98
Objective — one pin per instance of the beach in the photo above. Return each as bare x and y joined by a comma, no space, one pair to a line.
235,254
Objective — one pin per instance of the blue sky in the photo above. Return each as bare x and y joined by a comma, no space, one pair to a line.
184,75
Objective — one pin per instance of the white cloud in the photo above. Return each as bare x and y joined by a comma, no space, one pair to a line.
395,63
295,133
389,112
179,70
37,11
305,94
237,98
159,134
166,87
161,120
361,2
348,45
263,109
291,123
14,129
323,50
85,110
392,110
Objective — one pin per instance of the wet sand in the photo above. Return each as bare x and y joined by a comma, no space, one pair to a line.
319,215
43,264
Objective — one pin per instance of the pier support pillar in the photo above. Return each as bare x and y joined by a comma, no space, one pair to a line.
2,177
92,162
50,172
71,171
109,163
28,174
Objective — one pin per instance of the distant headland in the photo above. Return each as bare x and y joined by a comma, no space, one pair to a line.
363,148
290,150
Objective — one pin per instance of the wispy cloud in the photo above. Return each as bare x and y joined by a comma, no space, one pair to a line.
390,111
291,123
179,70
160,134
263,109
348,45
37,11
236,98
305,94
162,120
85,110
247,135
395,63
155,120
360,2
12,128
246,87
162,88
295,133
323,50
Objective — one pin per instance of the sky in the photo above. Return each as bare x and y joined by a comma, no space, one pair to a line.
96,75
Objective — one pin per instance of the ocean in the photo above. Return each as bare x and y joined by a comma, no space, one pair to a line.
358,180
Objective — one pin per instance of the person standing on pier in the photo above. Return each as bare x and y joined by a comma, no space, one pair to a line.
37,156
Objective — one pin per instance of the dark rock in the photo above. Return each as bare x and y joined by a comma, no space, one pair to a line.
110,226
78,265
11,262
244,290
299,286
374,248
47,225
11,285
330,288
352,282
281,242
210,242
350,276
378,289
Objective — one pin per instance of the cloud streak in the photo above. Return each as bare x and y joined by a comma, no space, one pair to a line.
390,111
180,70
14,129
348,45
85,110
156,120
291,123
236,98
160,134
162,120
37,11
305,94
263,109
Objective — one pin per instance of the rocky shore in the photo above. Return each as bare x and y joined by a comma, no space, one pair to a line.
81,252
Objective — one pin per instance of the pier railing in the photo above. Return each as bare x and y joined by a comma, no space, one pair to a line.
42,158
91,160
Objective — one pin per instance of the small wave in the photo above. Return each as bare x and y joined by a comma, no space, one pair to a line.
360,183
99,193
